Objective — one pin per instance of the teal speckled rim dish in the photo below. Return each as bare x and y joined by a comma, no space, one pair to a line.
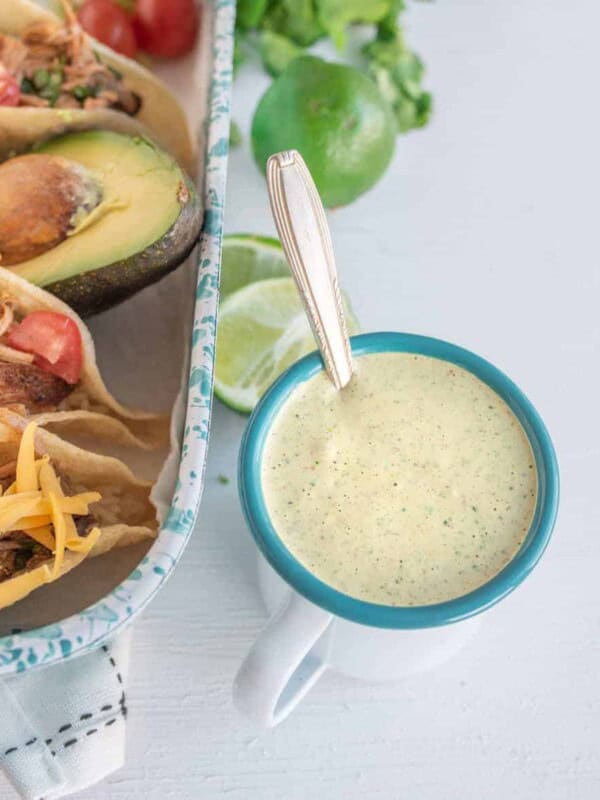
373,614
79,633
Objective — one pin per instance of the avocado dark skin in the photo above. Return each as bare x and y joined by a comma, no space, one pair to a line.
100,289
136,219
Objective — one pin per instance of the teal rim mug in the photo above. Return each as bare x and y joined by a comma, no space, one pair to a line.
290,654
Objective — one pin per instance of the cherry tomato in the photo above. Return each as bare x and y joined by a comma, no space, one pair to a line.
9,89
166,28
110,24
55,341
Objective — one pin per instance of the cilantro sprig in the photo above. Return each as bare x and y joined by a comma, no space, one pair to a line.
282,30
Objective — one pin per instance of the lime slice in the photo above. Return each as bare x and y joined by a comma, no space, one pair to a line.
247,258
262,331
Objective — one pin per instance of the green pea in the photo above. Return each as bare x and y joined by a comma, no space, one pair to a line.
40,78
81,92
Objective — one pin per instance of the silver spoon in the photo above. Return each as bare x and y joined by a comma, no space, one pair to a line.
302,226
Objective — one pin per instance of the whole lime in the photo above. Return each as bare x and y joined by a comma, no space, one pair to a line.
335,117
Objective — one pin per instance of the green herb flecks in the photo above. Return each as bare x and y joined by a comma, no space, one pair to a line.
40,78
82,92
52,85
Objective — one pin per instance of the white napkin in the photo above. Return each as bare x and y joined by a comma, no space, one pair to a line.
62,728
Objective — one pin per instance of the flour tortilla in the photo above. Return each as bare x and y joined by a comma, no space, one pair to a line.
90,408
160,117
124,515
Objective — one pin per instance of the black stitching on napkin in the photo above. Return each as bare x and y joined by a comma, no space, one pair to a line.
68,743
91,731
122,705
113,663
85,716
63,728
119,677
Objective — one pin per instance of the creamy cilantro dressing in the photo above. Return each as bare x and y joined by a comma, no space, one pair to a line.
412,486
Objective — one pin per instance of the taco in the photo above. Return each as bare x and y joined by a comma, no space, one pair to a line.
64,80
48,370
60,504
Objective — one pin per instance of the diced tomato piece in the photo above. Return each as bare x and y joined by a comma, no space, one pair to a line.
10,92
55,341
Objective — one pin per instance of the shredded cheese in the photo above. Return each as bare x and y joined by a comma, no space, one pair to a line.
12,512
27,474
16,509
36,505
42,535
60,534
19,587
71,532
49,481
34,521
84,544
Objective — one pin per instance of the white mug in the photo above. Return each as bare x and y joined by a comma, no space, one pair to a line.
314,626
301,641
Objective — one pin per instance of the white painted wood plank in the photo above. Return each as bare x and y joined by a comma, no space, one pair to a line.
484,232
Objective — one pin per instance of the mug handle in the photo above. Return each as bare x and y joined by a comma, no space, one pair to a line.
284,663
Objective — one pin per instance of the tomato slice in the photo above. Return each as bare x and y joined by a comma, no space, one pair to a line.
55,341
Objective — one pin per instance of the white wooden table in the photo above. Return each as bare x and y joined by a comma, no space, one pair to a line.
484,232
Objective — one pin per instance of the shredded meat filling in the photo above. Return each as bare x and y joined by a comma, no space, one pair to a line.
31,387
19,553
56,66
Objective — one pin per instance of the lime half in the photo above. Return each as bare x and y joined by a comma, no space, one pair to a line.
262,331
247,258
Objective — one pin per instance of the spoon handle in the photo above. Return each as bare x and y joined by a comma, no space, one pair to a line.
304,233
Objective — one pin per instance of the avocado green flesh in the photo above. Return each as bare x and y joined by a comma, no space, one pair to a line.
146,224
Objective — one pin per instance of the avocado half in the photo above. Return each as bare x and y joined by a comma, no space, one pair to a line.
146,223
